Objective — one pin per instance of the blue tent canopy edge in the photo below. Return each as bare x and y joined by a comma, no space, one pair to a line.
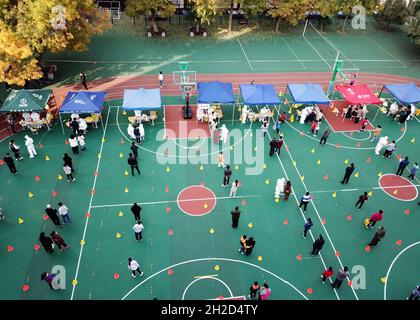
307,93
215,92
406,93
142,99
259,94
83,102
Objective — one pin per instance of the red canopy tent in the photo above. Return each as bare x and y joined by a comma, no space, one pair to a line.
358,94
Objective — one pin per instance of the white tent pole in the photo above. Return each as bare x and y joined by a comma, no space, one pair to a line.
61,122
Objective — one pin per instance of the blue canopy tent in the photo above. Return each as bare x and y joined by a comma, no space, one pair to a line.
142,99
215,92
405,93
259,94
82,102
308,93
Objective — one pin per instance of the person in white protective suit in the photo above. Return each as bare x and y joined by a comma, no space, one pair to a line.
141,129
224,133
281,183
383,141
244,114
130,131
29,142
304,114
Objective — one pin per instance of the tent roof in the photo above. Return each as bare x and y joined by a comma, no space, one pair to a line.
358,94
308,93
141,99
215,92
26,100
406,93
255,94
83,102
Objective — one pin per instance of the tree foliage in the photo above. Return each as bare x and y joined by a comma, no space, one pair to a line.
413,23
392,12
289,11
28,28
205,10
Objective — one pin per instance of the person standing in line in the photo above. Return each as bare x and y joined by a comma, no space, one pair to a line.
234,188
327,274
138,230
134,266
160,77
264,292
304,201
249,245
389,149
226,176
413,171
264,128
52,214
287,190
73,144
69,174
221,160
236,213
278,125
141,131
341,275
46,242
10,163
359,112
317,125
363,124
253,290
81,140
308,225
63,211
137,134
377,216
134,149
415,294
347,174
283,118
362,199
273,146
313,126
75,126
377,237
136,209
401,167
376,133
134,164
15,149
49,278
324,137
59,241
242,241
317,245
82,78
68,161
29,142
279,144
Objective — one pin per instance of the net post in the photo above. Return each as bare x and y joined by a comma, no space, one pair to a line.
304,29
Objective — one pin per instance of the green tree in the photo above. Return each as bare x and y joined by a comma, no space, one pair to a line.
392,12
151,8
346,7
326,9
249,7
289,11
29,28
204,11
413,24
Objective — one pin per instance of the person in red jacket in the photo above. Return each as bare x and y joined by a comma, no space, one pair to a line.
326,274
279,145
283,118
377,216
59,241
364,122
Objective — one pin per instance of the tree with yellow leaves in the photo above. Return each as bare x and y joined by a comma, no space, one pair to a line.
290,11
29,28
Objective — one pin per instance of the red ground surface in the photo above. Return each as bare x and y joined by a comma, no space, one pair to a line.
398,187
196,200
178,128
340,124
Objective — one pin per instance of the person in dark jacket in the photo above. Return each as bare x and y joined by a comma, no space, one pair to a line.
287,190
362,199
273,146
325,136
347,174
341,275
10,163
377,237
59,241
253,290
415,293
15,149
134,164
226,176
137,134
82,78
401,167
136,209
249,246
48,278
75,126
308,225
134,149
68,161
279,145
317,245
46,242
235,217
52,214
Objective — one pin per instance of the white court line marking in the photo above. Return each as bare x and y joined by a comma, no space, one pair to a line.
250,65
90,205
392,264
195,215
329,66
303,216
350,137
210,275
215,259
293,51
317,213
387,52
202,278
394,175
362,189
169,201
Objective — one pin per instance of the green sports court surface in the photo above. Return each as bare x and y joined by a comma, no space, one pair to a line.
196,257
